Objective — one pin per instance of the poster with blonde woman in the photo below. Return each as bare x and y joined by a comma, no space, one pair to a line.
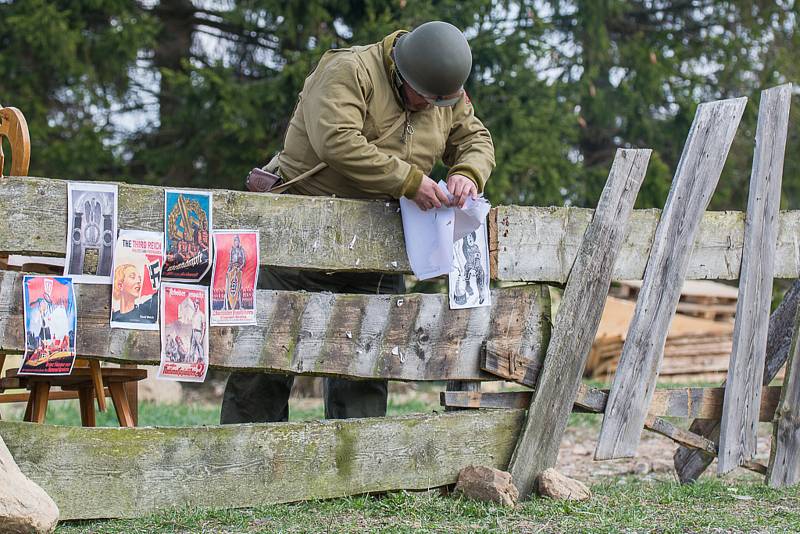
138,259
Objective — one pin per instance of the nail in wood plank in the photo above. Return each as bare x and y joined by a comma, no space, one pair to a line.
696,178
737,442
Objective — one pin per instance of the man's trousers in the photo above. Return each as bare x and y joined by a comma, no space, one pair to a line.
264,397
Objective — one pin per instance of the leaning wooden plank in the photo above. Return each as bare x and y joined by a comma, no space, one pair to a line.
310,232
402,337
130,472
690,463
737,442
698,403
577,321
784,461
695,179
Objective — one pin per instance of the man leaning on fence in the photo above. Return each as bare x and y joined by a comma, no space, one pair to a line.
380,116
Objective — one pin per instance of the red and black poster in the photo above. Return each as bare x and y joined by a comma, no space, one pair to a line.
234,278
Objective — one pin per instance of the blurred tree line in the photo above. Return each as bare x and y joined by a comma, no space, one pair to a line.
197,92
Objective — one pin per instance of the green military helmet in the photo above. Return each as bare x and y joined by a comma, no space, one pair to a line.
435,60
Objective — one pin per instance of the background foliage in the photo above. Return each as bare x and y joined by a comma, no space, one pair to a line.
197,92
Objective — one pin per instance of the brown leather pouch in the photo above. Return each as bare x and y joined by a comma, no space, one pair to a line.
260,181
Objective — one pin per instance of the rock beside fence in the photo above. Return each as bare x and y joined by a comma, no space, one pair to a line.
554,485
487,484
24,506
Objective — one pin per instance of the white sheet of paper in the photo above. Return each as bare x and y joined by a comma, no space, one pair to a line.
429,239
470,217
430,235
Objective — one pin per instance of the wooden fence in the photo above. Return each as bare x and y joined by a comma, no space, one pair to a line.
127,472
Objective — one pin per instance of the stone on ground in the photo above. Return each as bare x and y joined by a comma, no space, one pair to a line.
24,506
487,484
553,484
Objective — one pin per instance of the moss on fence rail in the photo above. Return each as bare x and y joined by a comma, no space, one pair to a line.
118,472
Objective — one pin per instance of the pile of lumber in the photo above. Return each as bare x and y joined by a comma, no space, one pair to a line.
699,298
696,349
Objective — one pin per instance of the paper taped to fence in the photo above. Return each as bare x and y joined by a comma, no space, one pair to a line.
234,278
51,321
184,332
91,230
138,259
187,227
469,279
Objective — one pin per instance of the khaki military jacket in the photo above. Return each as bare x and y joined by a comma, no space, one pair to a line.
349,100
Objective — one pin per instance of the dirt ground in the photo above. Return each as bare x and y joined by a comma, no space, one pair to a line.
654,457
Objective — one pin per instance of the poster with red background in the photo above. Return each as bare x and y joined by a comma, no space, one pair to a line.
51,321
234,278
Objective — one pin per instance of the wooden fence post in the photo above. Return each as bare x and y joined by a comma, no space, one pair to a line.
577,321
696,178
737,442
784,460
689,462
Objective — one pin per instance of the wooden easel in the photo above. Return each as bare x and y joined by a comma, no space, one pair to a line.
14,127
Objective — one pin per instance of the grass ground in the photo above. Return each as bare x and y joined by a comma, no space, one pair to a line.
620,503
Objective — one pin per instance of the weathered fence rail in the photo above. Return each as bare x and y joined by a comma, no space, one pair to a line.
402,337
119,472
533,244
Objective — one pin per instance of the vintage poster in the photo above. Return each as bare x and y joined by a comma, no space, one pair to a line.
138,258
51,319
187,227
91,229
234,278
184,332
469,277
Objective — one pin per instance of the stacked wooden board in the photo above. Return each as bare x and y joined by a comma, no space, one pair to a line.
699,298
695,350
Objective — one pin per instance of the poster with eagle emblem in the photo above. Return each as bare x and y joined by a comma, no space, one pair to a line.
187,231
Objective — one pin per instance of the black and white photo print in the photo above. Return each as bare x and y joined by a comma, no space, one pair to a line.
91,232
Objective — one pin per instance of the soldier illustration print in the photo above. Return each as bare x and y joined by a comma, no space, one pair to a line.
234,278
469,278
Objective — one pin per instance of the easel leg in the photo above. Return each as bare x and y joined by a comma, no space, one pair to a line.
121,406
41,391
29,406
132,388
97,380
86,400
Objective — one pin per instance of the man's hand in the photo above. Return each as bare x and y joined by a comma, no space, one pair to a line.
461,188
429,195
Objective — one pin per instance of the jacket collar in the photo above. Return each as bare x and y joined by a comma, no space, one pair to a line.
387,44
